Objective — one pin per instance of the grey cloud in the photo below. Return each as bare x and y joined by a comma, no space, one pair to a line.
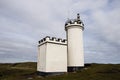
24,22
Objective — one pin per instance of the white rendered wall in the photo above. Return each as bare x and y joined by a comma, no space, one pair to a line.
52,57
56,58
75,46
41,64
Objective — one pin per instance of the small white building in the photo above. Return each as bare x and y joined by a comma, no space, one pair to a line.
52,57
57,55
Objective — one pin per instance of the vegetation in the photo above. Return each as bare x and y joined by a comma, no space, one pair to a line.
27,71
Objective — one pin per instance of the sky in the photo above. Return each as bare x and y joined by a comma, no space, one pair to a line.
24,22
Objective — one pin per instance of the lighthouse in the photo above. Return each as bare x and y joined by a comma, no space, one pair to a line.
58,56
75,54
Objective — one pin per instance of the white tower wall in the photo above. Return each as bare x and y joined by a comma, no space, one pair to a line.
75,46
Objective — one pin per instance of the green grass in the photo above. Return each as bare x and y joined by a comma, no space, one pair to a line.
27,71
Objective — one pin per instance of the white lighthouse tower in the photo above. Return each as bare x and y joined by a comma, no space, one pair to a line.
74,32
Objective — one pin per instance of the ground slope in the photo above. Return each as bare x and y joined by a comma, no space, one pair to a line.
27,71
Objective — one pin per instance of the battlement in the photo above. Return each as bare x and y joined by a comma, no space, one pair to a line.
52,40
72,22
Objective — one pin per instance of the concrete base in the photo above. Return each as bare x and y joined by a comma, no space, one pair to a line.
49,73
74,69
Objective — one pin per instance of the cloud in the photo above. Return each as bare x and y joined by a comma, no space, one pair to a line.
24,22
104,29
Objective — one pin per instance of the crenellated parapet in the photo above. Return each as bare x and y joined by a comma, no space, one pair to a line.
72,22
55,40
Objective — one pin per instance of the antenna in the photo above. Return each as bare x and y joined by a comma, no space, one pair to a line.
68,14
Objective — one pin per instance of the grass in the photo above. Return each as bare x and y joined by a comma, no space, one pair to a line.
27,71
